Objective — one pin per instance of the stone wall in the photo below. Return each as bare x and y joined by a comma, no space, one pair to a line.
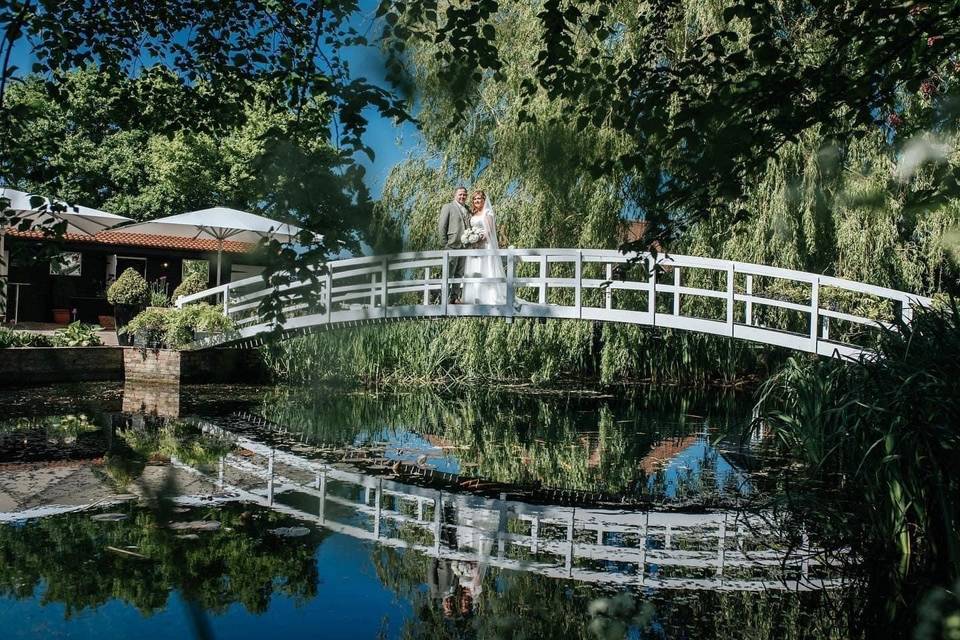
211,365
41,365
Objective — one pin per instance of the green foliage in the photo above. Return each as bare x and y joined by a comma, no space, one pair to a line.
701,96
9,338
193,283
238,564
523,351
77,334
175,328
158,294
183,323
886,431
591,444
149,326
129,289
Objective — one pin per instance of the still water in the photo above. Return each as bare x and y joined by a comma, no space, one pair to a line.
236,512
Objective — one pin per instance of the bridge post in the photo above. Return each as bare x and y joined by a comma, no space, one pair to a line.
226,299
438,503
642,562
377,505
328,285
652,299
731,299
578,291
608,294
384,275
722,548
542,298
270,477
676,291
501,525
426,286
445,284
814,313
321,484
749,317
511,287
906,310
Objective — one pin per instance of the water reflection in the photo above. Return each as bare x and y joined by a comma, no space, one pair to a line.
645,446
722,550
484,515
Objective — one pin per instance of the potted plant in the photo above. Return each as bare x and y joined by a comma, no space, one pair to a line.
148,328
62,290
128,295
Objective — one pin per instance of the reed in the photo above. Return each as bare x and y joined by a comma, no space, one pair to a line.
879,438
524,352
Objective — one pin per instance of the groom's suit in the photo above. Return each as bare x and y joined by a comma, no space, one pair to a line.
451,224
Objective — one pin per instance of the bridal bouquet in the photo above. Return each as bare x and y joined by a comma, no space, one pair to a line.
471,237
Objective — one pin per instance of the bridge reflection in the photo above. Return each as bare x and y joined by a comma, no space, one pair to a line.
724,551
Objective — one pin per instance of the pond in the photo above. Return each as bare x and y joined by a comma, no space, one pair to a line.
245,512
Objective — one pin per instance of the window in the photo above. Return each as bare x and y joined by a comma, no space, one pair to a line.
66,264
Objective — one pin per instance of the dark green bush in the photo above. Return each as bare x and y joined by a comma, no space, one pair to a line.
193,283
129,289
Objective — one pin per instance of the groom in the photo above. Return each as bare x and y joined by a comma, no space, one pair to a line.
450,225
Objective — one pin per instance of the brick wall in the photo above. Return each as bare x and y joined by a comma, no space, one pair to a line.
41,365
212,365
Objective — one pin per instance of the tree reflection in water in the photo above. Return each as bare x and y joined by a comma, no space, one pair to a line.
616,445
72,559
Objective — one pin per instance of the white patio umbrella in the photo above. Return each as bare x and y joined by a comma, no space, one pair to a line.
219,223
39,210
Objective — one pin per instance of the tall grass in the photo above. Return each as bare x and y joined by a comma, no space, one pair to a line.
525,351
882,437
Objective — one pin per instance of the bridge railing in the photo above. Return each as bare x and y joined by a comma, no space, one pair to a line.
793,309
718,550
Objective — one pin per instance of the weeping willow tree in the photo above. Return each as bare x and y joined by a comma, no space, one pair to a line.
825,204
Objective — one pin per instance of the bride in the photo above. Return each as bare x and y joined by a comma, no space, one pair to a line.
486,266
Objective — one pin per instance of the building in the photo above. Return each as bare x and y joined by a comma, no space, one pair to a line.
76,284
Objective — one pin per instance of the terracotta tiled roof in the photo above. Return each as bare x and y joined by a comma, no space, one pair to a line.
119,238
661,455
633,230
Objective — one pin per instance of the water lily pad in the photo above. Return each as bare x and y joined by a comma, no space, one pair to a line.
195,525
290,532
109,517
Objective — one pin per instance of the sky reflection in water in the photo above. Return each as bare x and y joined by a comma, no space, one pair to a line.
655,447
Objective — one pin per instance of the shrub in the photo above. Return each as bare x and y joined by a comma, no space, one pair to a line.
149,326
193,283
10,338
175,328
129,289
192,318
77,334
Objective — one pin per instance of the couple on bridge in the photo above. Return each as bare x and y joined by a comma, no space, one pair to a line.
460,228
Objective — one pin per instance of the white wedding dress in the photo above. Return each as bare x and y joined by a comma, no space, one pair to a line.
485,266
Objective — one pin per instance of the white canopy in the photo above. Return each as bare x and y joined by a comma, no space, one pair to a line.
79,219
220,223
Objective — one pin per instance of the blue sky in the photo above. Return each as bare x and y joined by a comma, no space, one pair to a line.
389,141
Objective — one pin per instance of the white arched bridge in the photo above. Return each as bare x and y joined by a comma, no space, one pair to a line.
782,307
